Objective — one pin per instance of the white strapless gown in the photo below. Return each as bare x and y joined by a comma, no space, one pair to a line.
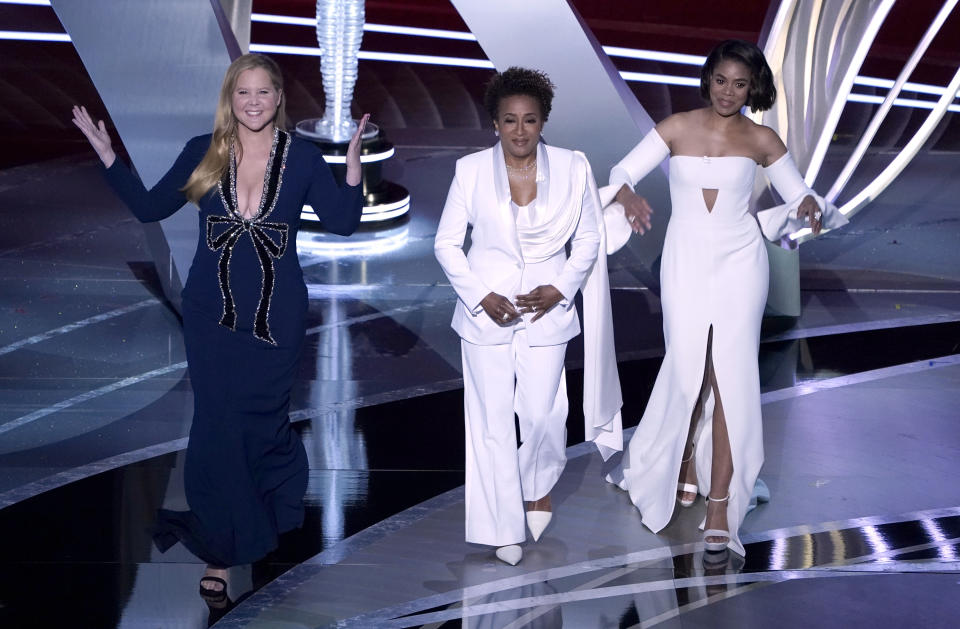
714,273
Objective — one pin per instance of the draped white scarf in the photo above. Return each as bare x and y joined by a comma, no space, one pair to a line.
602,396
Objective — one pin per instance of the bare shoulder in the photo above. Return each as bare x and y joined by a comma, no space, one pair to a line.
676,125
768,143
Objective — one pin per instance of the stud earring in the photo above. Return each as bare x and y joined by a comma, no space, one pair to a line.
496,133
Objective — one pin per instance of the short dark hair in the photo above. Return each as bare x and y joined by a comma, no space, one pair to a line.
516,81
762,90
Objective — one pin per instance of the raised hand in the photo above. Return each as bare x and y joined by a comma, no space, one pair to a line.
96,134
499,308
539,300
354,174
808,208
636,209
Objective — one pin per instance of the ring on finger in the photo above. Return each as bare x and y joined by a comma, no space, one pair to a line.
505,315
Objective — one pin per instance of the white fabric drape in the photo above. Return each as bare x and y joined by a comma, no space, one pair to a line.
602,396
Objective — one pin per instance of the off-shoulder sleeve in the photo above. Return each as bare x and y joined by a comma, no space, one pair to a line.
637,164
338,207
165,197
780,221
643,158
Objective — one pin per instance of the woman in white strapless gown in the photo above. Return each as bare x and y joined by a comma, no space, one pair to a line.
702,425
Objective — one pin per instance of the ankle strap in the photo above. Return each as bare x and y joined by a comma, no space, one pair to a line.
712,499
684,460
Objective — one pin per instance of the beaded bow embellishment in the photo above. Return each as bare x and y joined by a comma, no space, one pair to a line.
269,239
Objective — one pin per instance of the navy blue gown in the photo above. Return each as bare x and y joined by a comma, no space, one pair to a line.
244,317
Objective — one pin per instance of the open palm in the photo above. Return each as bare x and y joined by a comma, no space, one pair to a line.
96,134
354,172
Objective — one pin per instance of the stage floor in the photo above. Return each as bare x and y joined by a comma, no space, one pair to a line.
861,437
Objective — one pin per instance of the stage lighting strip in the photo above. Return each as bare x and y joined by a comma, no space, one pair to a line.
371,214
364,159
613,51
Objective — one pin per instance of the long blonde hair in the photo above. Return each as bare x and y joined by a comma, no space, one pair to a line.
217,159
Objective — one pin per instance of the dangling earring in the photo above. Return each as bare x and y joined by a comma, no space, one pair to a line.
496,133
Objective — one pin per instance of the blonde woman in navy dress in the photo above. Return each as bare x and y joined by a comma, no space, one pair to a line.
244,310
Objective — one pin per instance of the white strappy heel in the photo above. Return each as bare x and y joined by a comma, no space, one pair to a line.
687,488
715,547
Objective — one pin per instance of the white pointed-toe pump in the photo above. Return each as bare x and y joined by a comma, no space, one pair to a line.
511,554
538,521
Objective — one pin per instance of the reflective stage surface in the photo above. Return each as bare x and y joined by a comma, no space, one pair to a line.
861,436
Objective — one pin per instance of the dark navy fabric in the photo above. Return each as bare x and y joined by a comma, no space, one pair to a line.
246,469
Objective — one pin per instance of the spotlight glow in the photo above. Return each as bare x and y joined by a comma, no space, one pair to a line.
876,541
944,543
311,244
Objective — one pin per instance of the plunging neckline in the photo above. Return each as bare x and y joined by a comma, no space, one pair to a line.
268,193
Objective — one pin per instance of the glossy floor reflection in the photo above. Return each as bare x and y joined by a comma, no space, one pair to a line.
90,538
856,498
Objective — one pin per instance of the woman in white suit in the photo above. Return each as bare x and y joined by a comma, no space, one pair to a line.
515,312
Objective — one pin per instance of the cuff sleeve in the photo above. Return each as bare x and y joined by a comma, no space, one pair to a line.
643,158
780,221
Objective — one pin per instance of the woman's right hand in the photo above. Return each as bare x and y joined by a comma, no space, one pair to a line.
499,308
635,208
96,134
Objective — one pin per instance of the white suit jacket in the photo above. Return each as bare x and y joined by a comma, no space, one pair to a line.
480,196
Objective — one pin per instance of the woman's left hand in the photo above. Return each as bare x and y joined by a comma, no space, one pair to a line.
809,209
539,300
354,174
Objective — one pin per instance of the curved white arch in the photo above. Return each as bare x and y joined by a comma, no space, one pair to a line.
844,177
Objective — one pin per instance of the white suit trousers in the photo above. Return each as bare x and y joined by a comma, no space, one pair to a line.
499,380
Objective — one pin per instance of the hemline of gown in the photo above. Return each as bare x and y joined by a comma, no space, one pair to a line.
184,527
